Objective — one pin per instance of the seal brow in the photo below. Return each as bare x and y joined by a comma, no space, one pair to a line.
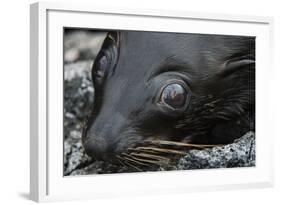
169,64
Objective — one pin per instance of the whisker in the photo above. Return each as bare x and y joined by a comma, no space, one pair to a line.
130,164
151,156
146,160
128,157
120,159
147,151
165,142
161,150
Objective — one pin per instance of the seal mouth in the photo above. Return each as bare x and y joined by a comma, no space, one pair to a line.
153,154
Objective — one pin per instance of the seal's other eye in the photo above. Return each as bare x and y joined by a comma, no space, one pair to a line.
174,95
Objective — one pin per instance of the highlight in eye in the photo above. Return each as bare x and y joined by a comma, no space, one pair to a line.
174,95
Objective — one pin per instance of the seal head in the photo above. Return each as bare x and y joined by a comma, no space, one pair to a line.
173,87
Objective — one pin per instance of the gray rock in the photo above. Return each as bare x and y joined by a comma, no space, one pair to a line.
81,45
74,156
99,167
78,99
78,96
241,153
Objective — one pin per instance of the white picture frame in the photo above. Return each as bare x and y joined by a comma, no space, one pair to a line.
47,182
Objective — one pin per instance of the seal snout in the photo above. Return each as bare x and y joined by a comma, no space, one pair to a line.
98,148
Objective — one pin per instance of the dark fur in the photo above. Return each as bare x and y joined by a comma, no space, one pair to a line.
219,70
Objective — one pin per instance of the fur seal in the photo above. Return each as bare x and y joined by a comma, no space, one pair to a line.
156,92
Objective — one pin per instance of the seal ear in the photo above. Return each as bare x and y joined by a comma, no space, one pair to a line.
112,37
236,64
107,57
115,35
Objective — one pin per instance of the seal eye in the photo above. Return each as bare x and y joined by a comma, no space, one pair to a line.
174,95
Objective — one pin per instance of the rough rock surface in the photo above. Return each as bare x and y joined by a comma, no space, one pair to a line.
78,98
81,45
241,153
